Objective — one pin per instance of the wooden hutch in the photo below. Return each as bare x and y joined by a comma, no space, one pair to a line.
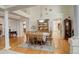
43,25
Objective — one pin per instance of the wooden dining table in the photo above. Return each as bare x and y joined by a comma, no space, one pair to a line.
35,36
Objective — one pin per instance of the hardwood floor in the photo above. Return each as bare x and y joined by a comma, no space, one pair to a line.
2,43
62,47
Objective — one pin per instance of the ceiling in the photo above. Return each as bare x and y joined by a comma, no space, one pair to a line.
16,10
6,6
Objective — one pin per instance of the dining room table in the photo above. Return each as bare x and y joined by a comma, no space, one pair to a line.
36,36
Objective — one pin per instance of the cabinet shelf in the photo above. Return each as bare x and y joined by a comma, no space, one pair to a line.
43,26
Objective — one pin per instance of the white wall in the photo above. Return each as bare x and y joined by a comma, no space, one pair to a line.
57,12
14,25
34,15
17,25
51,12
1,22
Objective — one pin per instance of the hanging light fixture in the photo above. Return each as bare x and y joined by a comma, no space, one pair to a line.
40,19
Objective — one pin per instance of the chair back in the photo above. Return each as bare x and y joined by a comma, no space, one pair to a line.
39,36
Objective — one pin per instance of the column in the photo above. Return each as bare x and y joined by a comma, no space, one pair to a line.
18,28
6,26
76,20
75,40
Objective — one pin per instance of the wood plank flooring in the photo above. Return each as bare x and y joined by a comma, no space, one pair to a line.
2,43
62,45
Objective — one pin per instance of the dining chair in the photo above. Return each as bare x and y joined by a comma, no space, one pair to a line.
39,38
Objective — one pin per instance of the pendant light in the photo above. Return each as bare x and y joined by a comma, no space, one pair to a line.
41,19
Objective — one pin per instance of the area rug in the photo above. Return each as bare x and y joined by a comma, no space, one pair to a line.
37,47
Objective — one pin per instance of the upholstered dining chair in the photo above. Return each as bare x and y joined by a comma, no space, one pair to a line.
39,38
